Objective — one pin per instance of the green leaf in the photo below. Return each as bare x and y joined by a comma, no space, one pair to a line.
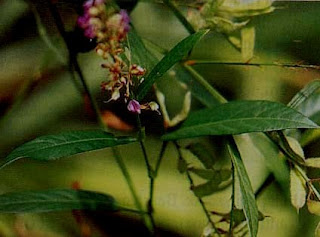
55,200
248,199
202,153
139,53
53,147
208,188
172,57
217,175
240,117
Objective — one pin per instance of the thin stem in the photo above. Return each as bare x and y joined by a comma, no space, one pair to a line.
205,84
206,212
292,65
308,181
151,174
180,16
132,189
232,199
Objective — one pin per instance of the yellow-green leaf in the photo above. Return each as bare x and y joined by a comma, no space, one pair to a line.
313,207
297,189
313,162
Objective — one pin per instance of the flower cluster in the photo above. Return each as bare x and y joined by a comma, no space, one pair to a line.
110,27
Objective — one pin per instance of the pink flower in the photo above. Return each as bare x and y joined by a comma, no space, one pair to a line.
134,107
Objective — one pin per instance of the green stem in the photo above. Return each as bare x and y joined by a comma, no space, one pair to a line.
151,174
293,65
205,84
180,16
232,199
132,189
203,206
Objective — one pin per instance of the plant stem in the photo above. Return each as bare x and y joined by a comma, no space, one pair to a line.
180,16
206,212
74,63
132,189
293,65
151,174
232,199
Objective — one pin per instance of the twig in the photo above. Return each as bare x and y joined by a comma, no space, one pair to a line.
206,212
151,175
292,65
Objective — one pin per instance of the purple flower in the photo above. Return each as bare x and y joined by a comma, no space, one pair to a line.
134,107
125,20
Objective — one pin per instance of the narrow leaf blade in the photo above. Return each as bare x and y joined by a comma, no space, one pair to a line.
53,147
240,117
248,199
173,56
55,200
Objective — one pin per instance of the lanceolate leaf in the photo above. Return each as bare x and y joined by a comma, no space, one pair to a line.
248,199
64,144
140,55
171,58
55,200
241,117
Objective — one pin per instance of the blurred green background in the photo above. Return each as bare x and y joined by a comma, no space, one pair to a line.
38,96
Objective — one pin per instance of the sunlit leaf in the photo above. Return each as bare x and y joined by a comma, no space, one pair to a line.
172,57
53,147
313,207
55,200
297,189
240,117
248,199
295,146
